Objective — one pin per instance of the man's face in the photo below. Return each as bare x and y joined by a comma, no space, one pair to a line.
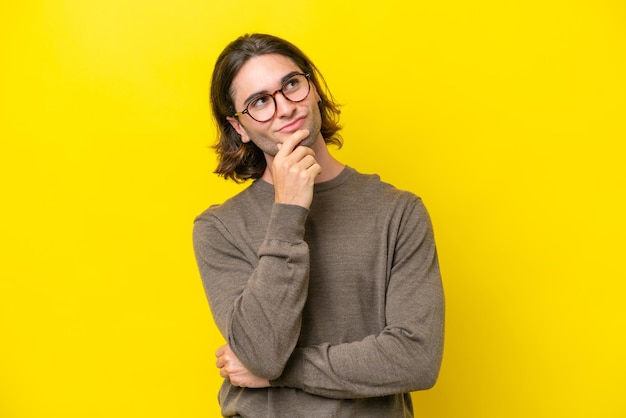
264,75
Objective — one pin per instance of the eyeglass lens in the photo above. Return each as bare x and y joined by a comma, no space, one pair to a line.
262,108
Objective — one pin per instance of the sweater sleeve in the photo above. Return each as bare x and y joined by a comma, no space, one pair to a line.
406,354
256,306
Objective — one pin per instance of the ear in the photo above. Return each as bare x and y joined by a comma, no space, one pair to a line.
317,96
234,122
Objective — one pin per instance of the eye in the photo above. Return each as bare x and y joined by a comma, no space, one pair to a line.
260,101
292,84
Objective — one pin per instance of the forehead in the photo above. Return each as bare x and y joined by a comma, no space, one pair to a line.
261,73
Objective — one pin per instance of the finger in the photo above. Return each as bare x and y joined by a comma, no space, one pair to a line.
292,141
220,351
298,155
308,161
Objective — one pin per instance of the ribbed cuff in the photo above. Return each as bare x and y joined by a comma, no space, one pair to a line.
286,223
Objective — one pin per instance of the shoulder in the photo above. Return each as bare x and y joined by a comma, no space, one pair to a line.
367,198
403,210
373,188
240,220
248,202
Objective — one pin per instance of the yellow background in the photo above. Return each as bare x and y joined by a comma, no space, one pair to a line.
507,117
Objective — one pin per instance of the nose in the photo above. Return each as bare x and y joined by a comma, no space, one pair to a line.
284,106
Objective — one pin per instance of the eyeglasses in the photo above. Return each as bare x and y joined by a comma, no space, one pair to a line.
262,108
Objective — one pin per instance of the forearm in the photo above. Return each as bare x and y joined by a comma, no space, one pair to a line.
405,355
395,361
257,302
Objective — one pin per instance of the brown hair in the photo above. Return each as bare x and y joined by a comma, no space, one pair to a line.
242,161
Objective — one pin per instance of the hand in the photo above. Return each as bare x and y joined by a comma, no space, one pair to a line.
232,369
294,170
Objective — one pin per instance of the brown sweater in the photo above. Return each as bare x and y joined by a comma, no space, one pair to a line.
340,306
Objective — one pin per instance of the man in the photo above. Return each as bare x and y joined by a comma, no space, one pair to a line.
323,281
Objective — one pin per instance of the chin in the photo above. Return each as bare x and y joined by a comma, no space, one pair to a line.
309,141
314,134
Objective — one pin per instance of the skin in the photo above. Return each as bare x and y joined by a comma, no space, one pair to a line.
263,74
296,155
231,368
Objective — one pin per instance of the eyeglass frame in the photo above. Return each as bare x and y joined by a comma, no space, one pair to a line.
273,96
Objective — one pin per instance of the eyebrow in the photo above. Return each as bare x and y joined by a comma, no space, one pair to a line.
263,92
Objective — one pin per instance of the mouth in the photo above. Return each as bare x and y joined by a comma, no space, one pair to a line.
293,125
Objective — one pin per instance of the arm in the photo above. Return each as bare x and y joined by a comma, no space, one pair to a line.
232,369
257,299
406,354
256,307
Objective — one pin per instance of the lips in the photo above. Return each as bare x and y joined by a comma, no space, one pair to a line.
293,125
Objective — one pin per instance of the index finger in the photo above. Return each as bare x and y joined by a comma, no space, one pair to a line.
292,142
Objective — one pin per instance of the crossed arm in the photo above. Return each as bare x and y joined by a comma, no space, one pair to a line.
232,369
404,356
258,307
